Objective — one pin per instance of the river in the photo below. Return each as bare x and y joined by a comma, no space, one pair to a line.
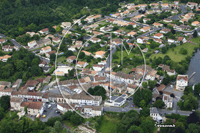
194,67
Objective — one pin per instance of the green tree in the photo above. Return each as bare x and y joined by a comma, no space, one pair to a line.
159,104
142,103
58,126
152,83
144,84
52,57
147,126
135,128
195,34
5,102
25,109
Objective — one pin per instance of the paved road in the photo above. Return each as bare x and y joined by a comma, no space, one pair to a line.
176,17
118,109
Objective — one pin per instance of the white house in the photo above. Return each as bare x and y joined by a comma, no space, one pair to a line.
195,23
99,54
168,101
155,115
181,82
95,40
158,35
93,111
97,67
151,75
45,50
171,41
145,29
81,64
32,44
44,31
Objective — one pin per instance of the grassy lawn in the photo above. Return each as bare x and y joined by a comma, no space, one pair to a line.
62,59
126,70
175,55
108,125
70,125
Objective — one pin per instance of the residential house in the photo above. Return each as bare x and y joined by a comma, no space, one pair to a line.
31,85
56,40
192,5
47,80
33,108
86,53
158,40
71,59
17,84
131,88
97,67
155,5
165,30
93,110
132,33
181,82
45,50
166,5
174,11
4,58
170,41
145,50
145,29
5,84
42,42
42,63
157,24
181,39
168,70
7,48
5,91
167,20
95,40
158,35
195,23
2,41
99,54
176,2
133,24
49,53
183,20
31,33
49,36
15,103
44,31
142,39
155,115
168,101
145,20
136,18
65,24
151,75
81,64
32,44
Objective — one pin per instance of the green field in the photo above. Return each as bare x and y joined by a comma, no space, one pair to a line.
175,55
109,125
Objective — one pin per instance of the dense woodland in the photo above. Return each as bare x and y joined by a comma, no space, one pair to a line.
22,64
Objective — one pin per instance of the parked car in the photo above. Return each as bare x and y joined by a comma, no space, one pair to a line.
49,106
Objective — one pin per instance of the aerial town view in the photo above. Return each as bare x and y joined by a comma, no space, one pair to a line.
99,66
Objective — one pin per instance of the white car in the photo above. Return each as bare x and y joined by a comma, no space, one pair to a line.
49,106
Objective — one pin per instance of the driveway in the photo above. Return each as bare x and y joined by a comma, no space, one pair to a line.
177,94
50,112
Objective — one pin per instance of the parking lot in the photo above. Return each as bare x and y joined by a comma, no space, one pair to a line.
50,112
